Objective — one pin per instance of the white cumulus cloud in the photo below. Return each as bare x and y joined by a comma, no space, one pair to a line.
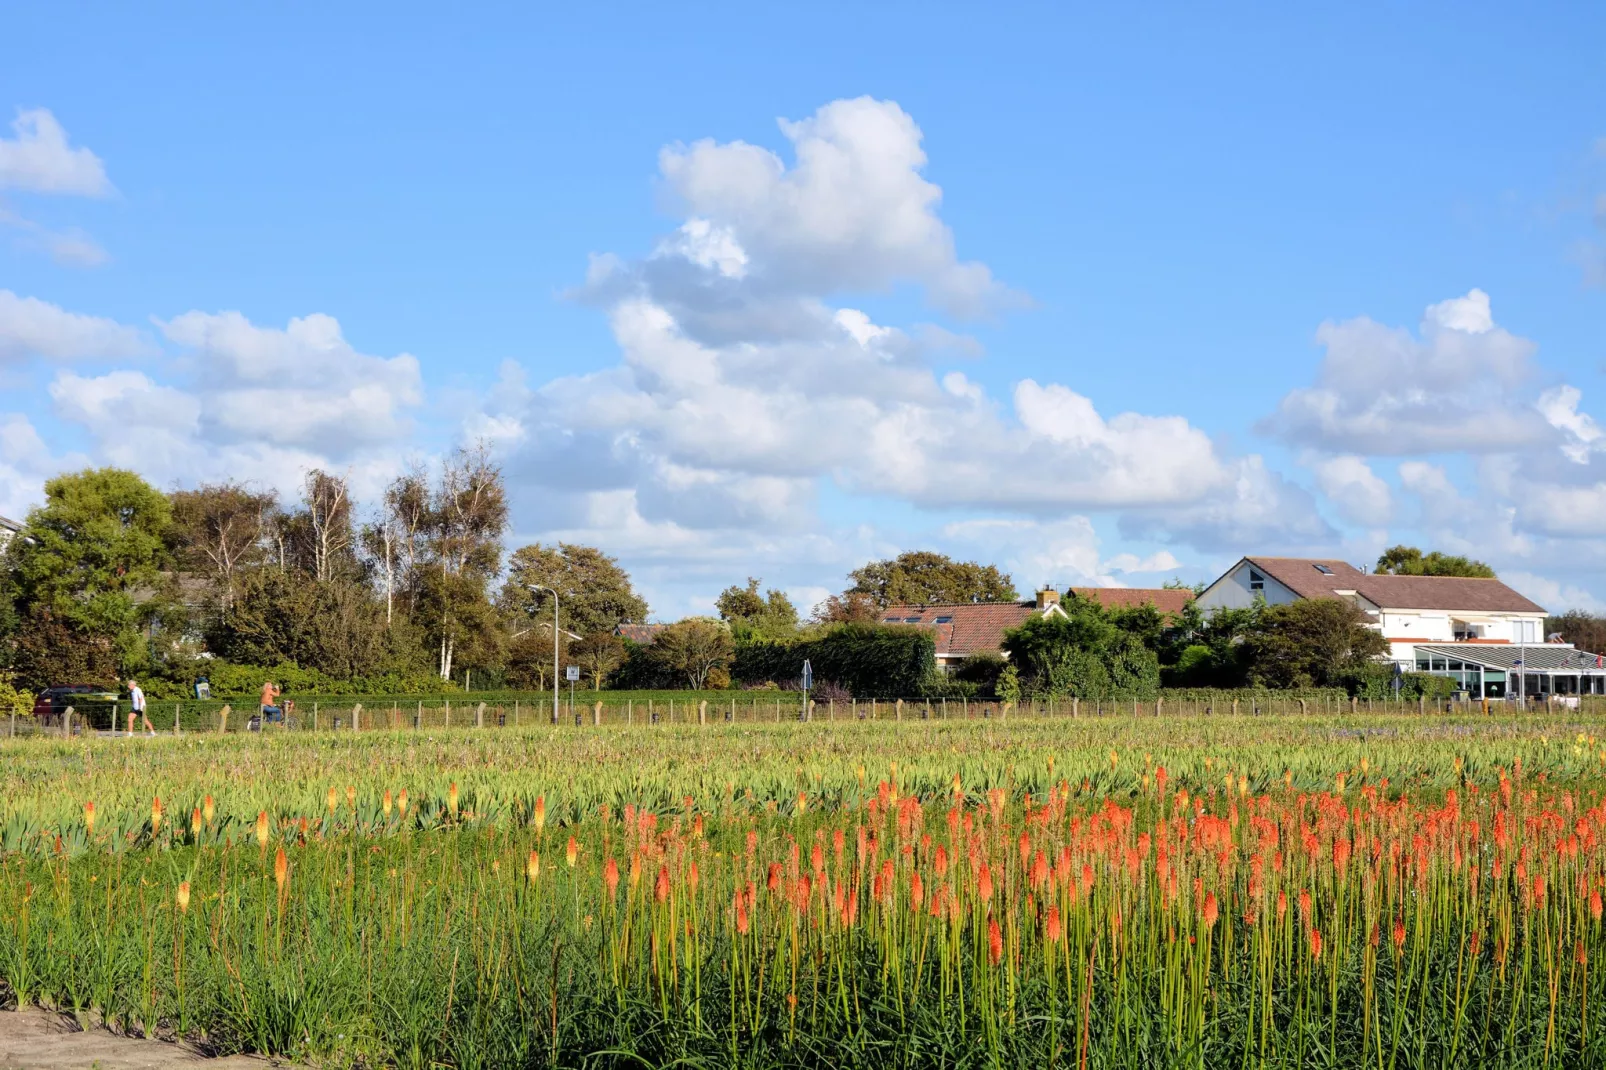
39,159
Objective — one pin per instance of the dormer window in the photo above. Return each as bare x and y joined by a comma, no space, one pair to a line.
1257,582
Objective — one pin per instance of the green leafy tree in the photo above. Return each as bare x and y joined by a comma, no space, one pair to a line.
754,616
598,655
14,702
1081,653
219,531
1409,561
920,577
1314,642
694,650
1583,630
595,593
89,570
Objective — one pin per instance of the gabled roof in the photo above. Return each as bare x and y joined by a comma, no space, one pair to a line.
963,628
1168,600
640,633
1464,593
9,525
1443,593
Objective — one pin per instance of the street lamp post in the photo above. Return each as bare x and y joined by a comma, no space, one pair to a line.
538,587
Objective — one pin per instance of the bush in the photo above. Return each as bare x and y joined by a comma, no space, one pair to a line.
981,670
229,680
869,660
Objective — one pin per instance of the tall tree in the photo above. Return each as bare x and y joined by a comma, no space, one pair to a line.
1410,561
220,529
596,594
752,615
693,650
920,577
467,517
90,563
598,655
1314,642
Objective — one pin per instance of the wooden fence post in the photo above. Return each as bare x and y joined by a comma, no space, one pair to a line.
1158,704
479,716
175,718
66,723
897,714
596,715
1076,706
702,712
448,713
223,718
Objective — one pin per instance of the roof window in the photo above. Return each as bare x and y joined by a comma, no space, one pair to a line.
911,620
892,620
1324,570
945,620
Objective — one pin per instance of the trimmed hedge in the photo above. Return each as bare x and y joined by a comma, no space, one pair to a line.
231,681
869,660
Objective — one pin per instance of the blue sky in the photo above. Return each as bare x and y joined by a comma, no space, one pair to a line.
1103,298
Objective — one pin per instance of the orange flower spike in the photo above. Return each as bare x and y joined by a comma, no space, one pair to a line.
156,815
401,802
741,914
540,813
281,869
208,810
917,892
1211,911
262,829
451,799
940,863
1399,934
1054,929
386,803
183,897
1282,903
330,798
1595,905
995,941
89,817
692,877
351,795
532,869
572,852
610,877
1316,943
660,889
984,883
195,821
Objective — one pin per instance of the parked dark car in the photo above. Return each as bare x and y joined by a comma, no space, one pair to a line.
52,702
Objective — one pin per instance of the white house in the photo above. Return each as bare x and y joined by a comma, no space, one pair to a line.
8,529
1475,630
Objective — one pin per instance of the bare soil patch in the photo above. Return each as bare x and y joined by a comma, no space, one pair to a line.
34,1039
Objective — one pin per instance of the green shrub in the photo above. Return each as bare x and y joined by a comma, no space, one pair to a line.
869,660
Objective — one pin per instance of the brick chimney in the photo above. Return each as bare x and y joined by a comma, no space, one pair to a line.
1046,597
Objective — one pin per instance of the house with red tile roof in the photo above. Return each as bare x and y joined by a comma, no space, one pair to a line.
965,628
1168,600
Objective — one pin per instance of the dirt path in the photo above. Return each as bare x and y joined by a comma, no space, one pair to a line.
32,1039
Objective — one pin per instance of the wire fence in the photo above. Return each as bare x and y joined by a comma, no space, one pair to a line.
215,717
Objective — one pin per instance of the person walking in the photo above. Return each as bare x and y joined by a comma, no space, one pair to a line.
136,705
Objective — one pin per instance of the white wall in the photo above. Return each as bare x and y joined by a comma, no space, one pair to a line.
1232,591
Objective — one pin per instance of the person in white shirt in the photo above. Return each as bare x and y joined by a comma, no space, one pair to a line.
136,705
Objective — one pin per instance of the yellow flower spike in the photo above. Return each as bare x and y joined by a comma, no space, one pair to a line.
532,868
184,897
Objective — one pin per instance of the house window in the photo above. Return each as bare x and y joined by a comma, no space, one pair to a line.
1257,582
892,620
911,620
1324,570
945,620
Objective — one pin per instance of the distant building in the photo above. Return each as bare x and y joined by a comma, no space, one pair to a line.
8,529
965,628
644,634
1479,632
1168,600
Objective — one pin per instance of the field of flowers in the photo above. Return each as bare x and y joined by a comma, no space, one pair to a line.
1367,891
